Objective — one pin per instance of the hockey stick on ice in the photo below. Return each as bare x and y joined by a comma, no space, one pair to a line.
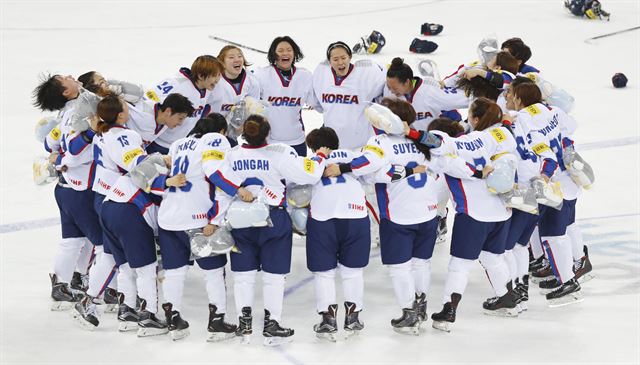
237,44
588,40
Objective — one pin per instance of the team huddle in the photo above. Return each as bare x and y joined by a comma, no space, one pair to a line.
213,165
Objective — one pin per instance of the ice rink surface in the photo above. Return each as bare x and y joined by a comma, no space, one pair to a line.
145,41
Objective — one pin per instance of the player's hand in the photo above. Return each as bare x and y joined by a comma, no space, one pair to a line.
486,171
245,195
167,161
177,181
420,169
471,73
209,229
332,170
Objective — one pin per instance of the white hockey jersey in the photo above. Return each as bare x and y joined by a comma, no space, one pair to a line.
123,150
407,201
75,153
225,94
193,205
471,196
262,170
343,99
106,176
540,137
142,119
430,101
182,84
338,197
287,97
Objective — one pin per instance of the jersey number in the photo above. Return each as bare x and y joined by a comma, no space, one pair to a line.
180,167
416,181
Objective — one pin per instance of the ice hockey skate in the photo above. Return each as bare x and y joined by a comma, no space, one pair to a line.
149,324
79,282
327,329
522,289
568,293
504,306
420,303
536,264
542,273
582,268
442,228
127,317
548,285
274,334
444,320
352,324
110,299
85,313
408,323
218,329
63,298
244,329
178,327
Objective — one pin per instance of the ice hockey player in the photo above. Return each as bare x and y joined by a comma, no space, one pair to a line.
591,9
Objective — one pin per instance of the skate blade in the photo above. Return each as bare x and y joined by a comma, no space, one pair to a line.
348,333
220,336
568,299
177,335
411,331
126,326
79,320
537,280
442,325
332,336
111,308
276,341
148,331
547,291
586,277
61,306
502,312
245,339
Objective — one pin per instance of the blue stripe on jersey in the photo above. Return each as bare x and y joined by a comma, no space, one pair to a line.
140,158
527,68
46,146
549,166
92,174
158,183
359,162
220,181
566,142
390,172
77,145
383,200
252,181
459,196
141,200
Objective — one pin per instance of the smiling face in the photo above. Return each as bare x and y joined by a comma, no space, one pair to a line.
339,60
233,63
174,120
70,86
284,56
100,82
399,88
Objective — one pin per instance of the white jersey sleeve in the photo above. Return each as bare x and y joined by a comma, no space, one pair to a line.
142,119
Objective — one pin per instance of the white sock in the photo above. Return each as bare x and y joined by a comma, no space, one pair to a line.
86,257
147,285
560,257
521,254
102,272
273,294
216,288
457,277
325,287
127,284
403,285
243,283
575,235
352,285
536,244
421,271
512,265
497,271
173,286
64,262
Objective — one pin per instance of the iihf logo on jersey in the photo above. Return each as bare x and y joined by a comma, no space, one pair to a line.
198,216
357,207
340,99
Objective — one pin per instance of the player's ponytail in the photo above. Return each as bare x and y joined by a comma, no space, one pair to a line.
400,70
487,112
108,109
255,130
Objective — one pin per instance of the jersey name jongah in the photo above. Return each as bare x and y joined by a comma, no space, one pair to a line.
240,165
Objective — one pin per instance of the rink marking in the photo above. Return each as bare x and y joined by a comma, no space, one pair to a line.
48,222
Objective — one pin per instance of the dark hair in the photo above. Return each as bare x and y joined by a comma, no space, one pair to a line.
446,125
322,137
520,80
338,44
48,94
108,109
255,130
297,53
400,70
205,66
518,49
528,93
487,111
507,62
223,54
178,104
478,87
87,81
401,108
212,123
